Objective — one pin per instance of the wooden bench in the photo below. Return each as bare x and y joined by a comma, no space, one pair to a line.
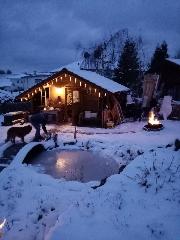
88,118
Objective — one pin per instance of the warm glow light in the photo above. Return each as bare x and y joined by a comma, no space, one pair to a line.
61,77
61,163
85,85
70,79
56,79
32,94
39,89
59,91
105,94
95,90
28,95
45,108
152,120
75,80
65,75
99,94
21,99
80,83
35,91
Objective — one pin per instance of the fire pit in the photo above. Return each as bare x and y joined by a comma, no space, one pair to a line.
153,123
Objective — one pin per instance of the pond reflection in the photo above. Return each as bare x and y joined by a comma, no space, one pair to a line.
77,165
60,163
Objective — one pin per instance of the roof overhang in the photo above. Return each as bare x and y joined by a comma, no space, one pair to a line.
174,61
58,74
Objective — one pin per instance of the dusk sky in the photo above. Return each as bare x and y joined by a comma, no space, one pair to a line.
43,35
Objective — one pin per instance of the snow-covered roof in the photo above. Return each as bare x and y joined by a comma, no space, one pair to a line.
174,60
37,74
94,77
7,79
16,75
44,73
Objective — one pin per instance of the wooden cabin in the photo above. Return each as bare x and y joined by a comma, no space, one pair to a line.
167,83
77,96
170,78
150,85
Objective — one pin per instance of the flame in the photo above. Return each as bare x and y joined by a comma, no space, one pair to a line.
152,120
2,224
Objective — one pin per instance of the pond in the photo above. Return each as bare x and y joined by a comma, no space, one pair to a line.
75,165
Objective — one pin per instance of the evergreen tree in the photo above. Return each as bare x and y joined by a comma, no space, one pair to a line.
160,54
2,71
128,68
9,71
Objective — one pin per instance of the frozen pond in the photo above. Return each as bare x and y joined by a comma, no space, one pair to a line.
77,165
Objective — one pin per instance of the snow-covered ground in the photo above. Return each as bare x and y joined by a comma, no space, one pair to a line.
143,202
7,96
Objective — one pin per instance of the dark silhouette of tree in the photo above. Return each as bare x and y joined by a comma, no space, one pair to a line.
159,56
128,68
102,56
9,71
2,71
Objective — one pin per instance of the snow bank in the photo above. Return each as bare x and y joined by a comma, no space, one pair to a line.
140,203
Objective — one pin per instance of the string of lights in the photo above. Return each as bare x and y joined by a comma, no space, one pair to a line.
60,79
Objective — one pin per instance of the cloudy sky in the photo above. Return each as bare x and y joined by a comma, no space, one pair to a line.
45,34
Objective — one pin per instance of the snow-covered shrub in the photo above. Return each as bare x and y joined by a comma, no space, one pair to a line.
159,174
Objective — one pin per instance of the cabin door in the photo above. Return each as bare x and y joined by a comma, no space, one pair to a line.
72,105
36,100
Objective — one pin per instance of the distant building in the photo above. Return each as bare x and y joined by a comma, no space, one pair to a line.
170,78
167,83
17,82
5,81
22,82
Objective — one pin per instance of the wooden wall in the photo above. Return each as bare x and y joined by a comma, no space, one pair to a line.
89,99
